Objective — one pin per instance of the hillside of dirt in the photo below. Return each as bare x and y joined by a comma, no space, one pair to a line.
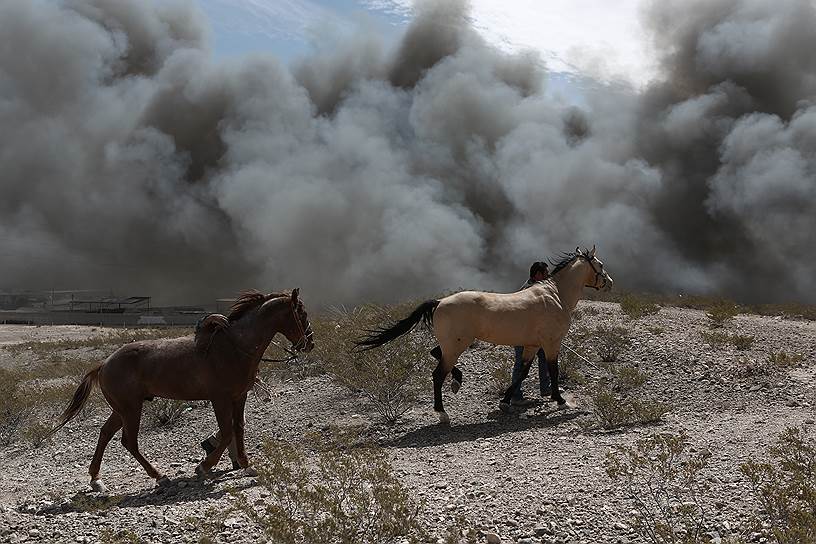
531,476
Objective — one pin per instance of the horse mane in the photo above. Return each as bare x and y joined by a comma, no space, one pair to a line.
561,261
247,300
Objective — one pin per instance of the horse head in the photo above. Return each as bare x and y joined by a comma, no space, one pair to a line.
597,277
297,328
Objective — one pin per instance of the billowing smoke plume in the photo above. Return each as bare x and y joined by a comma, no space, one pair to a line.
130,159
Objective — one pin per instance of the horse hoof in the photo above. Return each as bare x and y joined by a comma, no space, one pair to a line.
201,471
560,400
250,472
505,407
455,386
444,419
98,486
163,481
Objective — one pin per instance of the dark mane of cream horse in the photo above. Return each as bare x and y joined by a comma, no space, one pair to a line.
218,364
537,317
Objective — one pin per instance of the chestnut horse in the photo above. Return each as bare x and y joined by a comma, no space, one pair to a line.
536,318
219,364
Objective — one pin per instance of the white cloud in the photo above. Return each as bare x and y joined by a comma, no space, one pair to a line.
597,38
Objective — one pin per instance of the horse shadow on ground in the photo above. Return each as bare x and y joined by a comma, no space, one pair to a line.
179,490
440,434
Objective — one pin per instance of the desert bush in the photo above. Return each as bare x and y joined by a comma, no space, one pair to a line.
122,536
342,493
782,359
390,376
719,339
637,306
15,409
615,399
665,484
161,412
721,313
611,341
613,410
590,310
785,487
741,342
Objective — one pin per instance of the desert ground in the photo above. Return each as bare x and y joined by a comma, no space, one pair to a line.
529,476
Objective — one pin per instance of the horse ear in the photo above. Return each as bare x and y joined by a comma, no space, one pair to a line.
577,249
592,253
295,293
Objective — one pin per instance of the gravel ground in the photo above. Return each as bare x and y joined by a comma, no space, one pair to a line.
536,476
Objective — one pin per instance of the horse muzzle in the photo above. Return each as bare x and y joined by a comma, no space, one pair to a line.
607,283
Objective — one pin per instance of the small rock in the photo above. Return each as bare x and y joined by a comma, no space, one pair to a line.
493,538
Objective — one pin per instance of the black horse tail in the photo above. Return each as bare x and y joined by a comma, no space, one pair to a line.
377,337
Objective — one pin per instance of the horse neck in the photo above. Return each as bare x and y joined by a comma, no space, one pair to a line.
254,331
570,282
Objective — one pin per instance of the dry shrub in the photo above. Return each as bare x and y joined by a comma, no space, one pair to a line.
161,412
637,306
15,408
784,360
611,341
342,493
390,376
719,339
121,536
615,403
590,310
721,313
666,487
785,487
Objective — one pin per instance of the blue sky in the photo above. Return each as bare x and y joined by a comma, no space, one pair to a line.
285,27
597,39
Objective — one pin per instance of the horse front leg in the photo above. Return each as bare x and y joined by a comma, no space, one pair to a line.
239,424
508,394
438,380
223,415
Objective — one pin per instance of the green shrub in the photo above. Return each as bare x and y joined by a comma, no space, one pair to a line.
390,376
666,487
785,487
721,313
611,341
340,494
637,306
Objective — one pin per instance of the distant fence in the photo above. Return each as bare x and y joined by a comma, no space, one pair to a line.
101,319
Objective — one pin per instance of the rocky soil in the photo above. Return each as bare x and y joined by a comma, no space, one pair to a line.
535,476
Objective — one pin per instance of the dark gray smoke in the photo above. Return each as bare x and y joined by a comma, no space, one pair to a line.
131,160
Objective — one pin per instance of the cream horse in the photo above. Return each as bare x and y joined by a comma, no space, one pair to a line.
537,317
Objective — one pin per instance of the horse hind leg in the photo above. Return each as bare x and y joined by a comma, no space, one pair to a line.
456,374
111,426
131,419
456,380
